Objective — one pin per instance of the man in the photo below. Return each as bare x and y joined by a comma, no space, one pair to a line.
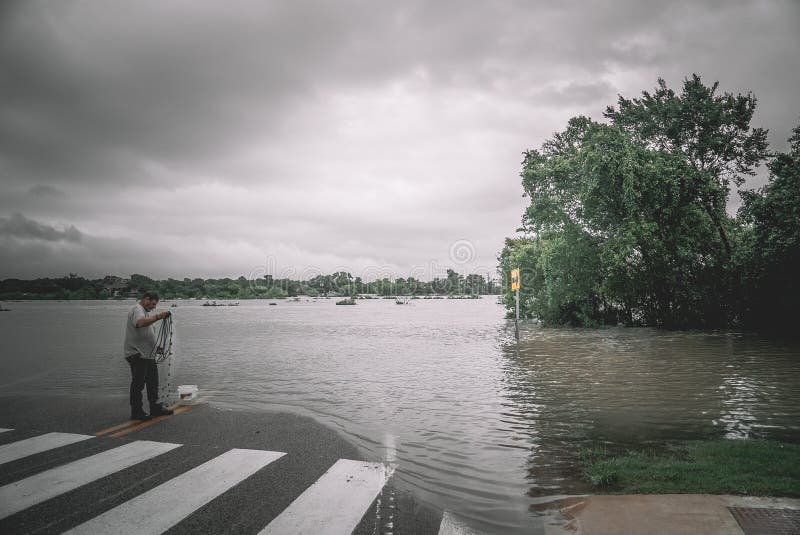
140,352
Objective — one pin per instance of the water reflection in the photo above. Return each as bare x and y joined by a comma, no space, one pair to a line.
740,400
567,389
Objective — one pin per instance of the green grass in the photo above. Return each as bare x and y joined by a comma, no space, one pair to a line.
744,467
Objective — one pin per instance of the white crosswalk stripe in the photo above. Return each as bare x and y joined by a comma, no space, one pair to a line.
30,446
334,504
159,509
451,525
3,429
40,487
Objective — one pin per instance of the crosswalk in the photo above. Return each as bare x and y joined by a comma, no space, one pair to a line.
161,508
323,508
23,448
338,500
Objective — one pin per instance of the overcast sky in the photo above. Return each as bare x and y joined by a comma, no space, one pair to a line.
383,138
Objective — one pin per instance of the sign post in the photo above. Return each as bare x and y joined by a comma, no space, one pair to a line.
515,288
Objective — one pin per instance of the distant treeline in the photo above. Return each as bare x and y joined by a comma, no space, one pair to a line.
628,222
336,284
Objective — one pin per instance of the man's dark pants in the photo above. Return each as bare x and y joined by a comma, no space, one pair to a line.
143,372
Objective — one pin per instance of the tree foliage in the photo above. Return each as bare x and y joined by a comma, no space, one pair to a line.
340,283
770,244
711,132
627,220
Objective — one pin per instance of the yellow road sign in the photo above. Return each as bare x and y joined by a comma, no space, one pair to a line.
515,279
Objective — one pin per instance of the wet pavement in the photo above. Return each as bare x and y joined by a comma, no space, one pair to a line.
659,514
61,432
203,433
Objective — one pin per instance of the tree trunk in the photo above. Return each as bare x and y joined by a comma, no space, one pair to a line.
720,229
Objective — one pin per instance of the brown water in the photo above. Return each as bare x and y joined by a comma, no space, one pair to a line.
473,422
637,388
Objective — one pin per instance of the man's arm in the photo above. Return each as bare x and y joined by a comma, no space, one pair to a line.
149,320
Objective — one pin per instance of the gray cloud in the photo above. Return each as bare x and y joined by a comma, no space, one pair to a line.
578,93
46,191
20,227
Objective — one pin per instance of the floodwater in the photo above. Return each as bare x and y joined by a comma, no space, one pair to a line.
473,422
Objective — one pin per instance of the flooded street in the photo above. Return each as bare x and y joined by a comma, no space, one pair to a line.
473,422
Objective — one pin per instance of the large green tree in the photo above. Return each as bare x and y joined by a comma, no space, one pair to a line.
711,131
627,220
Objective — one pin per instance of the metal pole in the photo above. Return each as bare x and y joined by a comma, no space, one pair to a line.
516,318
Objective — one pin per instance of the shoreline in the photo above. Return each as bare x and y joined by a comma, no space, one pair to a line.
742,467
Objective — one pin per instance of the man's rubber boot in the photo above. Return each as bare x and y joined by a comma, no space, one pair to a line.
157,409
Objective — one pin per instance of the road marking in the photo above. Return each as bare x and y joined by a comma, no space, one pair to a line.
453,526
116,427
40,487
3,430
161,508
33,445
335,503
148,423
129,423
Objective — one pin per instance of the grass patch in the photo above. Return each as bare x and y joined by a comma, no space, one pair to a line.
743,467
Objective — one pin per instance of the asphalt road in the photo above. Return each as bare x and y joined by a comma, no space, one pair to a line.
204,432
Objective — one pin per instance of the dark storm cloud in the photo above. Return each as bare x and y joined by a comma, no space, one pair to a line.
92,90
329,133
20,227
